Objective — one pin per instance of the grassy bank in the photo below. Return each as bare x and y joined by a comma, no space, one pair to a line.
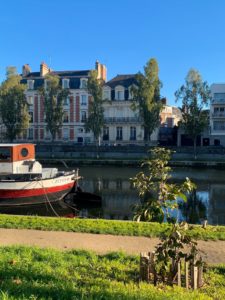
33,273
106,227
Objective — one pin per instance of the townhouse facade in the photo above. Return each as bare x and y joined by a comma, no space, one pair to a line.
75,107
123,125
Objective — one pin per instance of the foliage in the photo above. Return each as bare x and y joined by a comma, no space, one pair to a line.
194,210
54,96
95,120
13,105
113,227
155,189
34,273
195,96
178,245
146,95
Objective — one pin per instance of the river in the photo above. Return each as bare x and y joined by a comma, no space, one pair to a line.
113,184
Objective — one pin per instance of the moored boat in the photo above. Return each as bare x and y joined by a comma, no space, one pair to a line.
24,181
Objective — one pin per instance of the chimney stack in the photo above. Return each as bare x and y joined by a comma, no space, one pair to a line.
102,71
26,70
44,69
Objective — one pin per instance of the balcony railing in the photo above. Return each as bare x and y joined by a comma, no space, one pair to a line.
123,120
218,115
221,100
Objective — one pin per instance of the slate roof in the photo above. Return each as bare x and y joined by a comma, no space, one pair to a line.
74,77
124,80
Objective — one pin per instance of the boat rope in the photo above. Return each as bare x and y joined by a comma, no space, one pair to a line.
46,197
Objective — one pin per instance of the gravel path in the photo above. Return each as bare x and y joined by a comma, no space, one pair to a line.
100,243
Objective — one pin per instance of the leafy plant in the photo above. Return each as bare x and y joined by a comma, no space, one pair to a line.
178,245
155,189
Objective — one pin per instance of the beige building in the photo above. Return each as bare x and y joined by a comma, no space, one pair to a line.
122,123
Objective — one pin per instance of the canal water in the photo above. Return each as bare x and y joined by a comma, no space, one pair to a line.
114,186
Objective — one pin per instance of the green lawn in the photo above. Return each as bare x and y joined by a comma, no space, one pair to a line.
34,273
106,227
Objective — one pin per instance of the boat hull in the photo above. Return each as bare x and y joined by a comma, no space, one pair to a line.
35,191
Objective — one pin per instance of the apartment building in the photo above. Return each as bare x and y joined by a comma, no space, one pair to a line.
75,106
123,124
217,114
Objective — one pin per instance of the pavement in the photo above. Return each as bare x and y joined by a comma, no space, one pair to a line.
213,251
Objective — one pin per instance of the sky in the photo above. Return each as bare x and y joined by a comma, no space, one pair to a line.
122,34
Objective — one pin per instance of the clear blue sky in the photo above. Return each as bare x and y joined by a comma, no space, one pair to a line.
123,34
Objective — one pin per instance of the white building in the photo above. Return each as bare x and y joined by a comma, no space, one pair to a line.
122,123
217,114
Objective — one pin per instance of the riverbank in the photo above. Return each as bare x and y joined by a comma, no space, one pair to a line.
70,162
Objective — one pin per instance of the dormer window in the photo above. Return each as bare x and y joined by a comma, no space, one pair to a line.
119,93
83,83
130,93
65,83
30,84
106,93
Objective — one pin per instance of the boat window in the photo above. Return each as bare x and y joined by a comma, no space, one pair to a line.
24,152
5,153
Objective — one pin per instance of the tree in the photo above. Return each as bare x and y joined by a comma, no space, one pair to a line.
195,96
95,120
13,105
146,95
156,192
54,96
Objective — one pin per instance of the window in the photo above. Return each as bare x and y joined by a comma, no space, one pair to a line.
119,92
65,83
30,100
24,152
80,130
5,153
119,95
66,101
65,133
219,125
30,84
47,134
31,116
83,116
119,133
83,84
83,99
106,94
105,134
30,133
65,116
133,133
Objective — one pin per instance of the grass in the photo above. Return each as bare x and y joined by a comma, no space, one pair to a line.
100,226
34,273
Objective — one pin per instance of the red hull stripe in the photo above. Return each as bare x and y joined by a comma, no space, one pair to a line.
4,194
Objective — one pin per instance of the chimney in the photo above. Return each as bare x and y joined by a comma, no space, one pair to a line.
26,70
101,69
44,69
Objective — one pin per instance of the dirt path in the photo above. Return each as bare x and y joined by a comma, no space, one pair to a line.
99,243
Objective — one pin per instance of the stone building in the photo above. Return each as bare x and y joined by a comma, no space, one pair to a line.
75,107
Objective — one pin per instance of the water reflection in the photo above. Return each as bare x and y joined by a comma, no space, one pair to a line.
118,195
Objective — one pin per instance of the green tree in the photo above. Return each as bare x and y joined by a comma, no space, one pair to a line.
146,95
156,192
195,97
13,105
54,96
95,120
